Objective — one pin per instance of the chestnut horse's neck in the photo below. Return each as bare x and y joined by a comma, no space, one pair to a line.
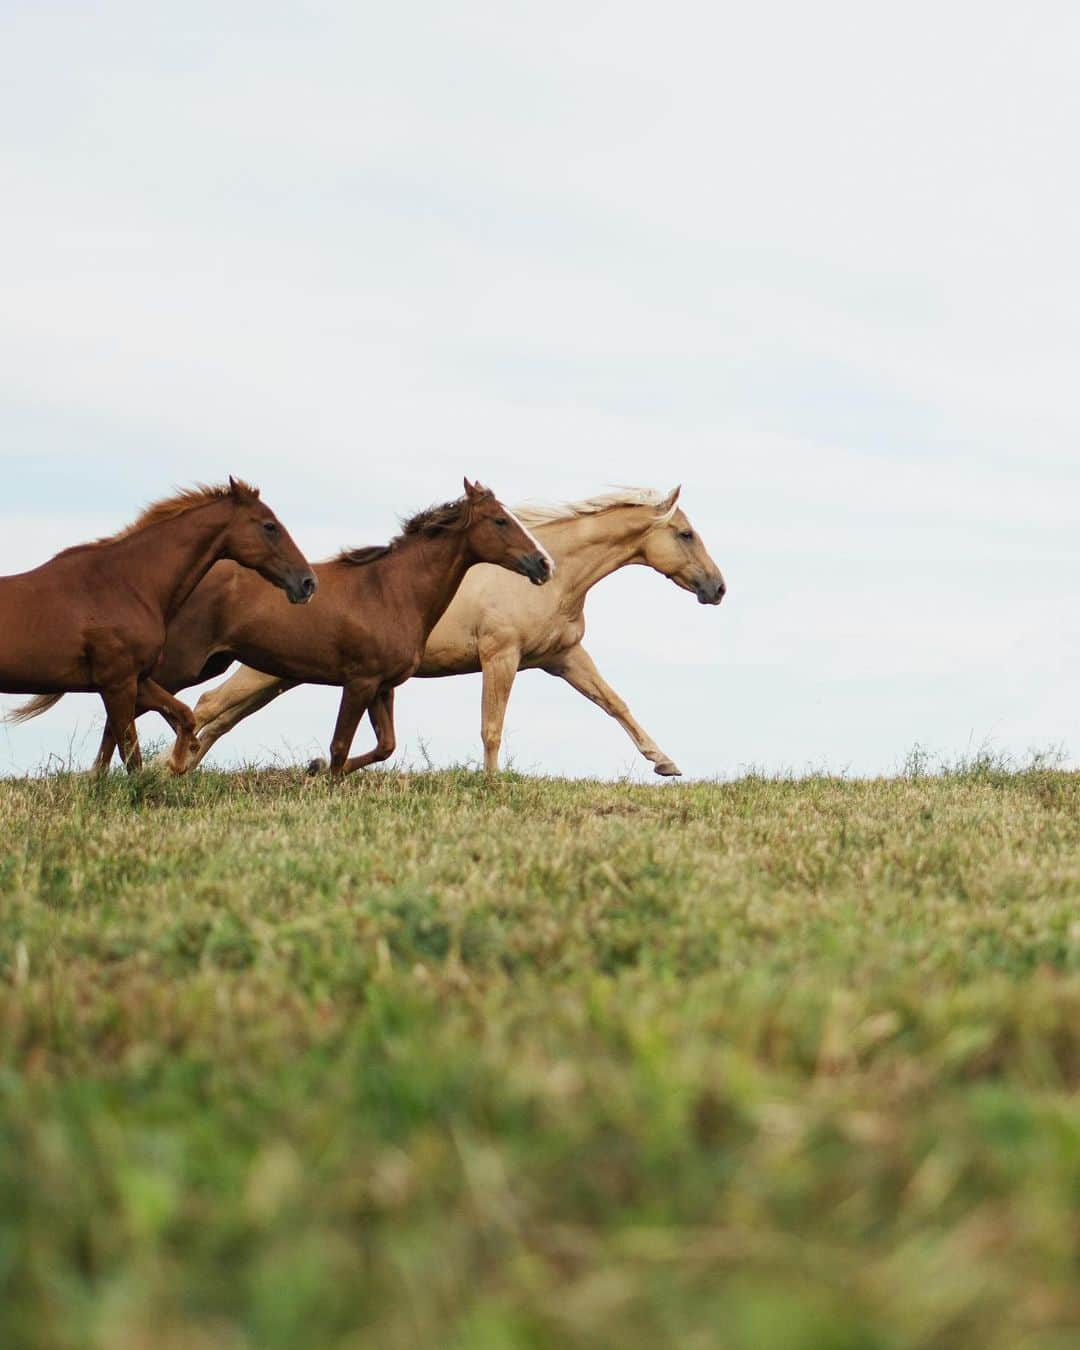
427,571
167,560
589,548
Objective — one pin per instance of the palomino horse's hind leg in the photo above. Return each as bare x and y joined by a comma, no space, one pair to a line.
499,672
153,698
120,728
220,709
576,667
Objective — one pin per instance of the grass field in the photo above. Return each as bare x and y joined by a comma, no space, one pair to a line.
433,1061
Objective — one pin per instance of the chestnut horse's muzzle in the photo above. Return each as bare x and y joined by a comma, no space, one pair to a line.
302,589
537,567
711,590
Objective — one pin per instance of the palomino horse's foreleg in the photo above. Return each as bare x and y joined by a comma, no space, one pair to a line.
577,669
499,669
381,712
355,699
120,729
221,709
153,698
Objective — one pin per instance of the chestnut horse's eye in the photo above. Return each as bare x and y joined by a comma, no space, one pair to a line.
270,526
502,522
686,534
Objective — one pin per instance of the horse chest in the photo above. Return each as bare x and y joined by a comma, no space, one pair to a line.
548,642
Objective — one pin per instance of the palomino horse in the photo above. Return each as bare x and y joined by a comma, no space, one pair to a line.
376,609
498,626
93,618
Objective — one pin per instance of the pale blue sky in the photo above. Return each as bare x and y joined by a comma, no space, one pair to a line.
816,262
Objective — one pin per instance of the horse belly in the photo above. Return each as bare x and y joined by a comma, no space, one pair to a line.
40,653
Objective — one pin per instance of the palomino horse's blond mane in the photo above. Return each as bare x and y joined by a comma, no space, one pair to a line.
541,514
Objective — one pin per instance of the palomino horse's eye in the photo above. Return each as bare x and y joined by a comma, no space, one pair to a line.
686,534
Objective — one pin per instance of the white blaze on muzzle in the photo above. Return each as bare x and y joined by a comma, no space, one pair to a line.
533,540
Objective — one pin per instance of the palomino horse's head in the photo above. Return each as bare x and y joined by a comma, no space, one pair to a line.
497,536
256,538
674,548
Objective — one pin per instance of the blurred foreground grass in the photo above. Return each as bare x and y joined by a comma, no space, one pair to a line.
433,1061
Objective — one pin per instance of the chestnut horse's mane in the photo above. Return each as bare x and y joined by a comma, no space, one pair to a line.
449,518
177,505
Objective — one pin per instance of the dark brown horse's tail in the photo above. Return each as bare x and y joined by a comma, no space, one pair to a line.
33,707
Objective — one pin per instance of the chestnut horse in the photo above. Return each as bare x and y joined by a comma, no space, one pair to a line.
376,609
498,626
93,618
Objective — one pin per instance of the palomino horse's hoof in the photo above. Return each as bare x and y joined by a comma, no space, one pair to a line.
317,765
668,769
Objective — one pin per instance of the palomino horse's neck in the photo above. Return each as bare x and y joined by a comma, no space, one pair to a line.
589,548
169,559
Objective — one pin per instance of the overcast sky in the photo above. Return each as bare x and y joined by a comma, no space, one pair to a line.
816,262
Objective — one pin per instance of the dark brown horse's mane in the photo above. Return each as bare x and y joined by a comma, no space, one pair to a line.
177,505
449,518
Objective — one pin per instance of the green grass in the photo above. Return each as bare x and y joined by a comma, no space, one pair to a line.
433,1061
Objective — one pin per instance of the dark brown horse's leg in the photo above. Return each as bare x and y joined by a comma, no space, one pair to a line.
105,750
381,713
153,698
354,703
120,714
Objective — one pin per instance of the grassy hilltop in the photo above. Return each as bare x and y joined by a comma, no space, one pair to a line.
433,1061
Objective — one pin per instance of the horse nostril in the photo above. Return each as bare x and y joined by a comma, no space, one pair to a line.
308,586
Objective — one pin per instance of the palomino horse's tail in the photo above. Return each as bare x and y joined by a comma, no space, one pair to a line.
33,707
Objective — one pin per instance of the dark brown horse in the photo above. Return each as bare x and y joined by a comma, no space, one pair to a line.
93,619
376,608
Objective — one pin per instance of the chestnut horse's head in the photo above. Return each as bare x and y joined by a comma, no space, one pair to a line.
496,535
256,538
674,548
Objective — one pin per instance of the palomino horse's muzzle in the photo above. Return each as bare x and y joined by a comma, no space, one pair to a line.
302,588
537,567
710,590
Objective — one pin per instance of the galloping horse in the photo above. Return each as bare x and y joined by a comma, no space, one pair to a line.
497,626
376,609
93,619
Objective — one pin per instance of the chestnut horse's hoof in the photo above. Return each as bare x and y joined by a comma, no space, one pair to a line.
317,765
668,769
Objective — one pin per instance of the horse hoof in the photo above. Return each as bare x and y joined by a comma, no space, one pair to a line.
667,769
317,765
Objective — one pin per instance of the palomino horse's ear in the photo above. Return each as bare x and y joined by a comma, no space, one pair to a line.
672,497
241,491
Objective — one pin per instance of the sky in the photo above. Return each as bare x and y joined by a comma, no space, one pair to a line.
816,263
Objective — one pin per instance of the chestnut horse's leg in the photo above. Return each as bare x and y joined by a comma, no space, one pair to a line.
153,698
499,672
577,669
105,750
355,698
220,709
120,711
381,712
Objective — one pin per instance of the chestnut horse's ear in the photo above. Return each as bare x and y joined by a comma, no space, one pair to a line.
474,490
241,491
